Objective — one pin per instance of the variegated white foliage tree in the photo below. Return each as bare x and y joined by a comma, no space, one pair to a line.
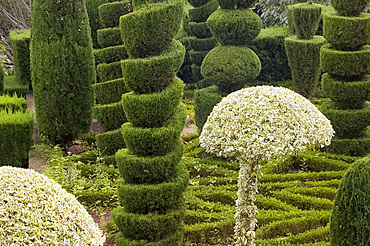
256,124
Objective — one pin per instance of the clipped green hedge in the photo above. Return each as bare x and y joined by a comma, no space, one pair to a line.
149,169
109,37
110,91
20,40
174,239
110,142
349,8
302,201
304,62
110,116
346,33
196,57
109,71
151,74
204,101
2,74
346,64
346,95
161,21
236,4
202,44
200,14
109,13
110,54
198,3
152,110
12,86
155,141
353,147
195,70
234,27
199,30
306,18
13,103
16,130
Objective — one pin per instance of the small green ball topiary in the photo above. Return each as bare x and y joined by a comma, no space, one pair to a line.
231,67
234,27
349,222
38,211
349,8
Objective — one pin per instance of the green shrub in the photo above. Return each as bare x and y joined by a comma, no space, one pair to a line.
349,223
62,69
346,95
304,62
303,202
199,30
110,54
110,142
110,116
152,110
269,47
202,44
109,13
306,18
200,14
109,71
155,141
110,91
198,3
346,33
352,8
109,37
149,169
236,4
12,86
231,67
320,192
152,74
20,40
13,103
16,130
353,147
195,69
2,74
271,203
173,239
196,57
234,27
161,21
314,176
346,64
204,101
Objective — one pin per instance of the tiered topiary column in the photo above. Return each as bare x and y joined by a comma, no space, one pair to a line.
303,50
151,192
346,61
109,89
231,65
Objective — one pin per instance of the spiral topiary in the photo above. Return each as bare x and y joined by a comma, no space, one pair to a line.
36,210
151,193
256,124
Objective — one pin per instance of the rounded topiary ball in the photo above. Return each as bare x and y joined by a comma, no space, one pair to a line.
234,27
231,67
349,8
36,210
350,219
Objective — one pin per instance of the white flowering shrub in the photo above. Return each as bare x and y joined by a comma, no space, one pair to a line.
35,210
261,123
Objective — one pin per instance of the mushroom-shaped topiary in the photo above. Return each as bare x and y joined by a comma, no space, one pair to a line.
256,124
35,210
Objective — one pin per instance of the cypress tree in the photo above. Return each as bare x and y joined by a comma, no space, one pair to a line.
62,68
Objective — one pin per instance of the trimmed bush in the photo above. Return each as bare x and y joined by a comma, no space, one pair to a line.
110,142
231,67
16,130
304,62
12,86
195,69
161,21
202,44
352,8
109,37
172,239
152,110
198,3
196,57
236,4
12,104
109,71
306,18
154,73
110,54
349,222
109,13
346,95
234,27
353,147
109,91
110,116
155,141
62,69
150,169
347,33
31,200
204,101
345,64
199,30
20,40
2,74
200,14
